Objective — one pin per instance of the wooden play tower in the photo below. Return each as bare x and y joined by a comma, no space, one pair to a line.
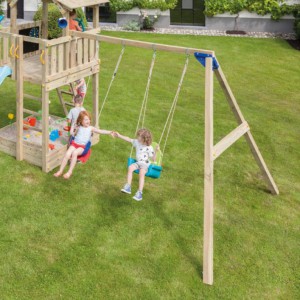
55,63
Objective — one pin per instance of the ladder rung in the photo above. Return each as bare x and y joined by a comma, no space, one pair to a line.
68,93
27,96
69,104
31,112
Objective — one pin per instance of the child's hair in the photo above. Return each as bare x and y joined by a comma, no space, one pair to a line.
73,13
81,117
145,135
78,99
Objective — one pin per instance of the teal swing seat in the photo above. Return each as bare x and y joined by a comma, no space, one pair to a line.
153,171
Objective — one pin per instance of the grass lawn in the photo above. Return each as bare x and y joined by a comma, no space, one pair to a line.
83,239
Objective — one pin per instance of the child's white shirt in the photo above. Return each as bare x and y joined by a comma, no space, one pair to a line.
83,135
74,113
143,152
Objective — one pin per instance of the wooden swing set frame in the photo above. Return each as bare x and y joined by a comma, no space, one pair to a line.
91,66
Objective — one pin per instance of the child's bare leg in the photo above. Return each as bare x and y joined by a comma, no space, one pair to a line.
75,154
65,161
131,169
142,179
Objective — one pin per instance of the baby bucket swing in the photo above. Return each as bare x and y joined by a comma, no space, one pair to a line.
155,167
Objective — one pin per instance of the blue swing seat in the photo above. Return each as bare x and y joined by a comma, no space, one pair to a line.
153,171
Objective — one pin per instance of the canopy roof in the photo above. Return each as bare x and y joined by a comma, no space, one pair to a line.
72,4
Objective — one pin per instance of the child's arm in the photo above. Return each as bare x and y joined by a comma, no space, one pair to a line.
103,131
80,84
122,137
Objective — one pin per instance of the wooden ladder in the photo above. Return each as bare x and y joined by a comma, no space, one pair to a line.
61,92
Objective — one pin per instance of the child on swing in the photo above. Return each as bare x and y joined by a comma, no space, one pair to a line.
82,137
144,152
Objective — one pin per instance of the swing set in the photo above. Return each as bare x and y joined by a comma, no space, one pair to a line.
155,168
212,151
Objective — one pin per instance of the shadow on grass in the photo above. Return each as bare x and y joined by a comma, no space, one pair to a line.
179,240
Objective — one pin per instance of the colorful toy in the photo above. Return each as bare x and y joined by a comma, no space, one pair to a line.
54,135
31,121
51,146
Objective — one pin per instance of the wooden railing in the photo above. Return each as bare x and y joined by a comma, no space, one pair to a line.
67,53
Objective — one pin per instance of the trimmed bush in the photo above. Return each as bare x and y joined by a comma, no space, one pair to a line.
53,15
121,5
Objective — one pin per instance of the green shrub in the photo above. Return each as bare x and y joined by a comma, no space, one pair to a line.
277,8
132,26
1,7
53,15
296,13
121,5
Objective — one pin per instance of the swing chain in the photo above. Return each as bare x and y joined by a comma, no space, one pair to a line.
173,108
112,80
142,114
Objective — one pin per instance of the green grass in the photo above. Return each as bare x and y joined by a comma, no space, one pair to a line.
83,239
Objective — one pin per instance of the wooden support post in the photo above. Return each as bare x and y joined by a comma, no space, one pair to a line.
20,98
66,31
13,17
249,138
45,112
45,21
208,176
45,128
96,16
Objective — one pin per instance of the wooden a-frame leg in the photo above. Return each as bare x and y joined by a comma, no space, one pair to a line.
208,177
45,129
249,138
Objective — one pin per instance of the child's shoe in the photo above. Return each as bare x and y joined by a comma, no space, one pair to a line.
138,196
126,189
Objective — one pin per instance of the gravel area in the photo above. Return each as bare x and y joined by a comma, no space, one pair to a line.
189,31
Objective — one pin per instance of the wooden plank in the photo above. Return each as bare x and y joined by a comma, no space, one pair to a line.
31,128
66,31
53,69
91,50
89,65
27,96
85,51
230,139
67,55
79,51
58,41
60,56
71,78
33,160
249,138
140,44
208,176
20,99
30,112
96,16
28,25
8,150
45,128
34,40
13,19
73,53
5,49
45,20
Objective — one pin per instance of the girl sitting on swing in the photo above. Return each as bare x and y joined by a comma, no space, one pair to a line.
83,135
144,152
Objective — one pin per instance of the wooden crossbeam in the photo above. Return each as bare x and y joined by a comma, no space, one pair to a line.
249,138
30,97
230,139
